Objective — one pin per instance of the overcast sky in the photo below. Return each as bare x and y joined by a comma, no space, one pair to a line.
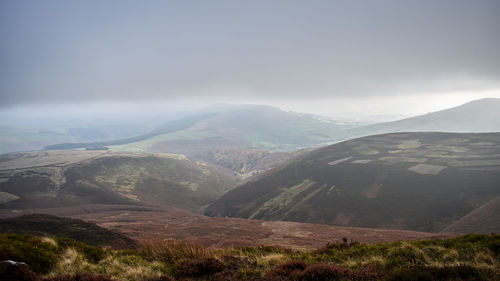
340,58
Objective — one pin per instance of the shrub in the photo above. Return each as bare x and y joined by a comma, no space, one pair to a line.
287,271
91,253
450,273
323,271
171,251
199,268
494,246
16,272
41,257
271,260
366,272
262,250
228,276
345,244
79,277
406,255
160,278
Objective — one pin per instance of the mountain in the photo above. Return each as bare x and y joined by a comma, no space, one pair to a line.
415,181
69,178
242,126
246,139
477,116
169,127
32,134
482,220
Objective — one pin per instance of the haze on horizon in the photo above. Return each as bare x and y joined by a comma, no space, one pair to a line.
338,58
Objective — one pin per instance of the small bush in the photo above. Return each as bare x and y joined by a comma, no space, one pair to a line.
16,272
41,257
91,253
494,246
450,273
199,268
271,260
159,278
345,244
170,251
79,277
406,255
262,250
228,276
287,271
366,272
323,271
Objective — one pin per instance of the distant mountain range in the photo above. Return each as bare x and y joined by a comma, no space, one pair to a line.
478,116
417,181
246,139
249,139
242,126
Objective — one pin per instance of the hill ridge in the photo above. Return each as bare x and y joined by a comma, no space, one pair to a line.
417,181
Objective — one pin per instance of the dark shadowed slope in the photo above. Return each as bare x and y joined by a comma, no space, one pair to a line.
67,178
79,230
418,181
485,219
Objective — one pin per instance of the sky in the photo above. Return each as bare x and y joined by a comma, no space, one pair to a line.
345,59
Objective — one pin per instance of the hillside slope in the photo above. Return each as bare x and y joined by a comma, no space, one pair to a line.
478,116
417,181
243,126
79,230
143,224
68,178
246,139
484,219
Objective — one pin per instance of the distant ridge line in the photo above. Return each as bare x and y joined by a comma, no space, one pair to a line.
169,127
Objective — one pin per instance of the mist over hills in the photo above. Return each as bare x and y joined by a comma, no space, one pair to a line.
246,138
245,126
473,117
249,140
417,181
228,126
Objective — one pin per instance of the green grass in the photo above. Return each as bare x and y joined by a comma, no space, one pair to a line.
468,257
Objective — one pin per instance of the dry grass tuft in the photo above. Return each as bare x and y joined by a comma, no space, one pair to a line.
49,240
173,251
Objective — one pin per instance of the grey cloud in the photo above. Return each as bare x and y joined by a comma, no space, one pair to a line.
69,51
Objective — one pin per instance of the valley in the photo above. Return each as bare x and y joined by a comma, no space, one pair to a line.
249,140
147,223
226,182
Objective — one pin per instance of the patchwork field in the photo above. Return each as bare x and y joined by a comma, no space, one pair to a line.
414,181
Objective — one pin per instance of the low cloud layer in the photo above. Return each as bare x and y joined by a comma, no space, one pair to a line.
91,51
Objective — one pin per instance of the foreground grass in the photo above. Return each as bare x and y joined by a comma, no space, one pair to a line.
469,257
